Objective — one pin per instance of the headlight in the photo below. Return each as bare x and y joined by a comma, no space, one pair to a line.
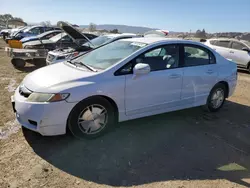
47,97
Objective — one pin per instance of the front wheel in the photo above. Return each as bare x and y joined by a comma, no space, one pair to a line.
91,118
216,98
18,63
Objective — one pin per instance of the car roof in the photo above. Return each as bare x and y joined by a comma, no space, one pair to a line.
52,31
222,38
122,34
150,40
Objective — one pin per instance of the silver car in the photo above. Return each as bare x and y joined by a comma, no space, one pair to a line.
236,50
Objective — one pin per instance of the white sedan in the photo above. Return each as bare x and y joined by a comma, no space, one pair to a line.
123,80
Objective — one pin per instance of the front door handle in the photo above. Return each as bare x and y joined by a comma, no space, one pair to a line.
174,76
231,52
210,71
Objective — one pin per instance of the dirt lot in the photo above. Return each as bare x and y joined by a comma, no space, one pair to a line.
188,148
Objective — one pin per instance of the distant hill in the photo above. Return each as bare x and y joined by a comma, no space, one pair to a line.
121,28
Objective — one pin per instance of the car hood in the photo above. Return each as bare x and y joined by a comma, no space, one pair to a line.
72,31
54,78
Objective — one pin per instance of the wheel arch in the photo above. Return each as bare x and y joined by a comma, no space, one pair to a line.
113,103
248,66
110,100
225,83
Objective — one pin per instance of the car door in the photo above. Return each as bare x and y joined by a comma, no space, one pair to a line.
238,55
200,74
159,90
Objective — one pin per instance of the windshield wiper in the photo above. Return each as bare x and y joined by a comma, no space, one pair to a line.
80,63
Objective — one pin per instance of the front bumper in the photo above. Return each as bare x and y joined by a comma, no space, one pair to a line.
48,119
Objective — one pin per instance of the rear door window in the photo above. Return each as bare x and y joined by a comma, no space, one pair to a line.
197,56
237,46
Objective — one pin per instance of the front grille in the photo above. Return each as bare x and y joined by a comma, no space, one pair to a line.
24,91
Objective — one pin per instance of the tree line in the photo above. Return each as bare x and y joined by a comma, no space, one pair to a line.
92,27
5,18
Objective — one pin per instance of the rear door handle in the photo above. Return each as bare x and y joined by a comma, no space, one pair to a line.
210,71
231,52
174,76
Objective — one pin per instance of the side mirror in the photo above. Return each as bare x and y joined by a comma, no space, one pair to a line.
246,49
141,69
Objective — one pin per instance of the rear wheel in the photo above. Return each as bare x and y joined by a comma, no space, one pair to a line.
91,118
216,98
18,63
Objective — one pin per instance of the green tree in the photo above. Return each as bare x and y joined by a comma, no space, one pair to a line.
4,18
92,27
46,23
114,31
200,34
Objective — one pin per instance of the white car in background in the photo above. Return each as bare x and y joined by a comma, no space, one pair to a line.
63,54
123,80
232,49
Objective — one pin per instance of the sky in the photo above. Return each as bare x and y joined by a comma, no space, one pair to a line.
173,15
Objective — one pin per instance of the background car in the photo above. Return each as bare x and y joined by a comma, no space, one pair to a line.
31,31
156,33
236,50
60,55
61,40
43,36
123,80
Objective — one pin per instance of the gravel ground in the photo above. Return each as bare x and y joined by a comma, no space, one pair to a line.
188,148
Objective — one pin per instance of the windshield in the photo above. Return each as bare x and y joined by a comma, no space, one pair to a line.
20,30
26,29
43,34
98,41
57,37
108,55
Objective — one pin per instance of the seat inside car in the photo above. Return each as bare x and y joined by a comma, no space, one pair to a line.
167,61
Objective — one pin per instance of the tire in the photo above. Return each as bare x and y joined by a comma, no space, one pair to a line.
211,106
18,63
84,124
38,62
